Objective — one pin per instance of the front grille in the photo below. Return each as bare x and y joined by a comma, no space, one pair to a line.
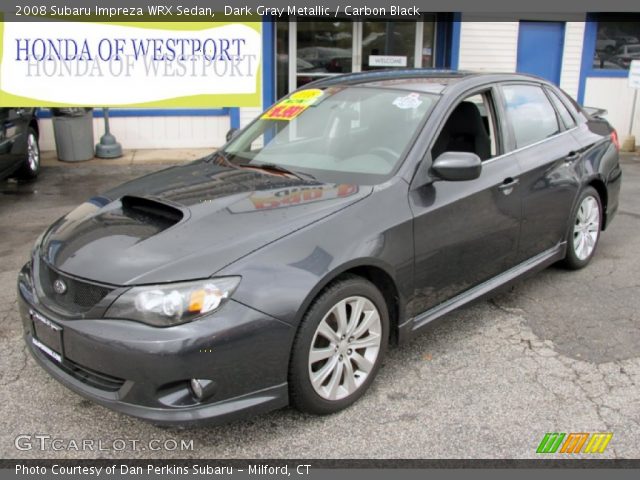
79,297
90,377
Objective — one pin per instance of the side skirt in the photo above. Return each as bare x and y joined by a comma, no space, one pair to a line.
410,327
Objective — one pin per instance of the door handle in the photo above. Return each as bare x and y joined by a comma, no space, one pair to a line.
508,185
571,156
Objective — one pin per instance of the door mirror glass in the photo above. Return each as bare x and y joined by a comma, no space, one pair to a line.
457,166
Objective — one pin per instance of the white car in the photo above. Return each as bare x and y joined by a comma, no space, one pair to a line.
627,53
605,44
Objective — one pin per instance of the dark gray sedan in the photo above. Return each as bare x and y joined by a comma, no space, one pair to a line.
348,216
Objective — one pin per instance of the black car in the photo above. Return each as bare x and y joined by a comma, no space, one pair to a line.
350,215
19,150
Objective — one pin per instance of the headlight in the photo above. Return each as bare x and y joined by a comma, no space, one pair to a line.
172,304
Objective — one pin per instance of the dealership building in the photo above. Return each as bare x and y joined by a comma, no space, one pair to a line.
587,55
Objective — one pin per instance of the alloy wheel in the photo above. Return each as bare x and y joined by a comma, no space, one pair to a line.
586,228
345,348
33,153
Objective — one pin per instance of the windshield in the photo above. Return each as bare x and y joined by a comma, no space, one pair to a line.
353,134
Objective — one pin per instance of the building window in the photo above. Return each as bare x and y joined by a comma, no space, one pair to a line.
282,59
617,41
324,48
428,41
388,44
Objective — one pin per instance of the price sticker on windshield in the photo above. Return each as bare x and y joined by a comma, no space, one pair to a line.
309,95
291,107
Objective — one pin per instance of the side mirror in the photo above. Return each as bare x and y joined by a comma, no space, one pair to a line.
232,133
457,166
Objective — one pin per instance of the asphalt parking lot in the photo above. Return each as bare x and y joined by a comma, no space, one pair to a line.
560,352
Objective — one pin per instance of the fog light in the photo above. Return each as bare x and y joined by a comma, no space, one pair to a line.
202,388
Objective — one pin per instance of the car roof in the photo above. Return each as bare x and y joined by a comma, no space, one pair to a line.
419,80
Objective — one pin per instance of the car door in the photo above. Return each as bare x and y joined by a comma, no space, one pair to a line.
466,232
13,144
546,152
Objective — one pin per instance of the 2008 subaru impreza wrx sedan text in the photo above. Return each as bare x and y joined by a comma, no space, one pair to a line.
348,216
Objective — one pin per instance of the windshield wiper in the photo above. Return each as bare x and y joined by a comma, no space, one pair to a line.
223,156
279,168
264,166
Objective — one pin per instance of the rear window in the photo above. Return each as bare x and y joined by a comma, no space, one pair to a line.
565,115
530,114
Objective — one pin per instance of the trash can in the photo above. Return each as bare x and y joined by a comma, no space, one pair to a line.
73,132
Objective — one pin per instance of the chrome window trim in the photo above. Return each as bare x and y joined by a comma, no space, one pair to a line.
557,135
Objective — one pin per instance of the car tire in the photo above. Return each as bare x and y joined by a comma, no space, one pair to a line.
349,370
584,230
31,166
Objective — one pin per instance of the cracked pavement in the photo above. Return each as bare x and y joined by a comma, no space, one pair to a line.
559,352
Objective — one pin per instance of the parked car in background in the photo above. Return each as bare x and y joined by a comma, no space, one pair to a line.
348,216
606,44
19,150
329,59
626,39
626,54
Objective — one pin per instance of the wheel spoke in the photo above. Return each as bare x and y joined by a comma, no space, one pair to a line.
585,246
321,375
581,214
340,312
369,319
318,354
588,208
349,377
334,383
594,215
371,340
356,313
327,332
581,247
362,363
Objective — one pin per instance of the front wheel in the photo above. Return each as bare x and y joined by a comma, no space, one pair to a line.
339,346
585,230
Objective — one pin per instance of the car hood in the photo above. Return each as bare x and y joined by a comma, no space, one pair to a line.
186,222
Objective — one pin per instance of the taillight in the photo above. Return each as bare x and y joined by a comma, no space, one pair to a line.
615,140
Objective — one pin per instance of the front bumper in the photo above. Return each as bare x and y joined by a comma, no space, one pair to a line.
144,371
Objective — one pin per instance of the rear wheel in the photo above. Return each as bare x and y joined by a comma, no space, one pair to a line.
339,346
31,166
585,230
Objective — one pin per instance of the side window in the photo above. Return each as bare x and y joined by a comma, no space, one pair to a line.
566,117
530,114
470,127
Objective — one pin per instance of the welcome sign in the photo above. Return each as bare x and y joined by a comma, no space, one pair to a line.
131,64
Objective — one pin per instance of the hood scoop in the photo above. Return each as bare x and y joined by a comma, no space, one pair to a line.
151,212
